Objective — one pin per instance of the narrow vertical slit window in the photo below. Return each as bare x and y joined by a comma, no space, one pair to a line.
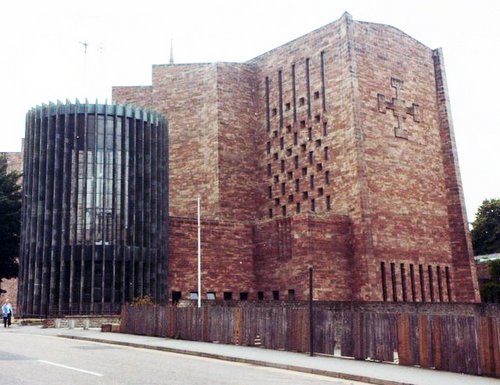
383,278
440,283
431,283
448,283
268,112
280,96
323,86
394,282
308,84
294,95
422,281
412,282
403,282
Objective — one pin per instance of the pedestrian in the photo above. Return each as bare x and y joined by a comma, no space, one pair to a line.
7,313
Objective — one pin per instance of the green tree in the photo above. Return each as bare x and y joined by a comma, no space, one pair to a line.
10,218
486,228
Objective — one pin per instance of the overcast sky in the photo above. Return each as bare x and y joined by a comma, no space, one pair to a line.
42,58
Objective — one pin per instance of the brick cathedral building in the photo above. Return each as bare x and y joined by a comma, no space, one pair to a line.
334,151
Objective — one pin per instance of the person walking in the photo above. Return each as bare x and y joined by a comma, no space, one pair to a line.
7,313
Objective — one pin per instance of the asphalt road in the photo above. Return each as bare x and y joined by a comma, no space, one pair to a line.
41,359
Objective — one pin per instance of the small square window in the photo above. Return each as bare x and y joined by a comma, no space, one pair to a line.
228,295
244,296
288,152
302,101
193,295
275,134
289,128
276,201
260,295
211,295
290,198
320,191
304,170
289,175
275,111
317,118
276,179
318,142
303,146
319,167
302,124
275,156
316,95
291,294
276,295
305,195
287,106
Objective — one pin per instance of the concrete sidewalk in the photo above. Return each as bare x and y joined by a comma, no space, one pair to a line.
365,371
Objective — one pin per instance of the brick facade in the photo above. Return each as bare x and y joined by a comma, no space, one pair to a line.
334,151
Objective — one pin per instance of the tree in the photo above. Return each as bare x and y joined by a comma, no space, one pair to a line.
10,221
486,228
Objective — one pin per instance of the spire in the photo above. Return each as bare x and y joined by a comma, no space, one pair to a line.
171,51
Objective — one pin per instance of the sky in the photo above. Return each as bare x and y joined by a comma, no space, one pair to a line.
43,59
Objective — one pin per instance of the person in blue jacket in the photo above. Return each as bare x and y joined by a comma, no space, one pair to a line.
7,313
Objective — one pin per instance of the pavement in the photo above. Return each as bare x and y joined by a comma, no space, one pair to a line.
345,368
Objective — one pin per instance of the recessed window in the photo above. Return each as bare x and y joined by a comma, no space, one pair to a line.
310,133
319,167
283,188
305,195
327,153
296,161
269,169
289,175
275,134
325,128
297,207
260,295
282,163
275,111
328,202
211,295
302,101
276,295
275,156
277,201
317,118
320,191
297,185
295,138
289,152
282,143
311,181
291,294
283,210
304,170
316,95
302,124
270,213
228,295
289,128
244,296
193,295
311,157
176,296
318,142
268,147
303,146
290,198
270,191
287,106
327,177
313,205
276,179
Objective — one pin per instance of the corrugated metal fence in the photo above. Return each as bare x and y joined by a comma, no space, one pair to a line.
464,343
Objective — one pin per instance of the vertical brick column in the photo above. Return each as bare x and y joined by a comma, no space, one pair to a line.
465,282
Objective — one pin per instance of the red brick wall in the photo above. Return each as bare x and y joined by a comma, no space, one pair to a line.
300,143
227,263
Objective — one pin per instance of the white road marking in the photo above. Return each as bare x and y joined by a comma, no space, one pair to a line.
71,368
